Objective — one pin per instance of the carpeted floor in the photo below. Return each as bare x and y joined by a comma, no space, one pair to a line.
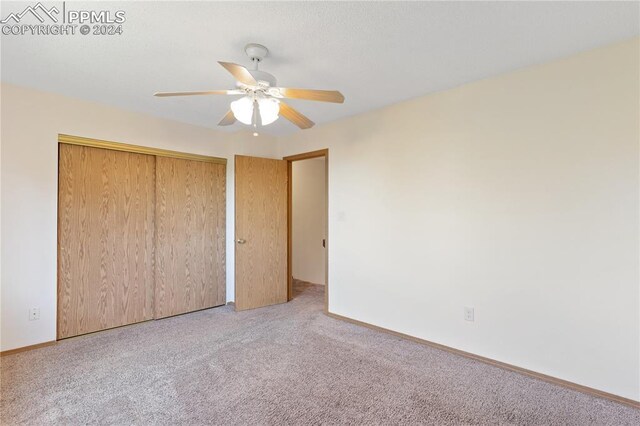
285,364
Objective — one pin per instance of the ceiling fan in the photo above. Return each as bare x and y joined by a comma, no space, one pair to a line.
261,102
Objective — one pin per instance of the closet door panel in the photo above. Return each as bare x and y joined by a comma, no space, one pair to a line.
106,203
190,236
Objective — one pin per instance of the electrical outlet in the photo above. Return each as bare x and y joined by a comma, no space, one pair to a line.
468,314
34,314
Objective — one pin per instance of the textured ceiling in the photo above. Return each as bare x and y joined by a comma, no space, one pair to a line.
375,53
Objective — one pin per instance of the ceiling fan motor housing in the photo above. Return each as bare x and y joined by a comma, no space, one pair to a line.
263,76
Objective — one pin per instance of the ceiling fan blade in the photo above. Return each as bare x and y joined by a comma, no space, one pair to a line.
228,119
240,73
295,117
208,92
312,95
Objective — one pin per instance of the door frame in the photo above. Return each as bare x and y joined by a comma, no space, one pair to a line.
137,149
290,159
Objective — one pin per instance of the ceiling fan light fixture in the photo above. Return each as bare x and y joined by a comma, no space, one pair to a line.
243,110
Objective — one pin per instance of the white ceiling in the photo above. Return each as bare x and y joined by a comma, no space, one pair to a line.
376,54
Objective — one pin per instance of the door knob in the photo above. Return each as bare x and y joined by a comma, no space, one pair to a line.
241,241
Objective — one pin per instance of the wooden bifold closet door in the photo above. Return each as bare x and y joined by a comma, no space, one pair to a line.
139,237
106,205
190,236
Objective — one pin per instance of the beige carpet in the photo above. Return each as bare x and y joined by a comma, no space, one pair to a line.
286,364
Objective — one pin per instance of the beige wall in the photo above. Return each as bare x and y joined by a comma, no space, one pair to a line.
516,195
309,212
31,121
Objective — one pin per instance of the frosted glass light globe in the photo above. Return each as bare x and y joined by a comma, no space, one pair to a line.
269,110
243,110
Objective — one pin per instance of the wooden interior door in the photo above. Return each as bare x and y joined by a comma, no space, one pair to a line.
106,202
190,236
261,232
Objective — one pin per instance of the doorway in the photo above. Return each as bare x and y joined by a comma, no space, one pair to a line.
308,221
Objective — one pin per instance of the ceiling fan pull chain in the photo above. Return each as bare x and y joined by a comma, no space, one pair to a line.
256,113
